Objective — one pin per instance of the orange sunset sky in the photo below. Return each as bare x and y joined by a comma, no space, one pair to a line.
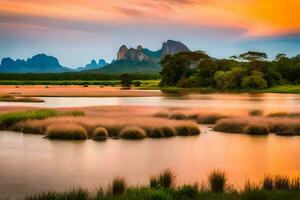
96,28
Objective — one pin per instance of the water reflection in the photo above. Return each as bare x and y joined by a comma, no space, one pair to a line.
30,164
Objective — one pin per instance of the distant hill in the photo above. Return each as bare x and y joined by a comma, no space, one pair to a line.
142,59
131,60
93,65
40,63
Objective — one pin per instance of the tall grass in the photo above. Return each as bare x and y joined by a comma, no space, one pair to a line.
10,98
163,187
217,181
166,179
117,186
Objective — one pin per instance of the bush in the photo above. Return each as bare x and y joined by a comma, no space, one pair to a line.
217,181
161,115
118,186
133,132
187,130
100,133
66,132
281,129
256,129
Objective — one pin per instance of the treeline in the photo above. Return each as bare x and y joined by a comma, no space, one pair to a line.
248,70
72,76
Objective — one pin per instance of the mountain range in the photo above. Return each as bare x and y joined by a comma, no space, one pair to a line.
128,60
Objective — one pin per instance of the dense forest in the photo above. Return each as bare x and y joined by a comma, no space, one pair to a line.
248,70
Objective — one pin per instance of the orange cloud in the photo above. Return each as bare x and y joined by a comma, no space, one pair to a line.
259,17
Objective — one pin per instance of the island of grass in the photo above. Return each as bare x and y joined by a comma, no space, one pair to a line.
98,123
10,98
163,187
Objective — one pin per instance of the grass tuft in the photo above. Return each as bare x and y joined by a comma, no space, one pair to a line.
133,133
118,186
100,133
217,181
187,130
166,179
256,129
66,132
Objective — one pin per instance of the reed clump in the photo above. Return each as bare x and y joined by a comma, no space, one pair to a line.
133,133
217,181
117,186
100,133
66,132
166,179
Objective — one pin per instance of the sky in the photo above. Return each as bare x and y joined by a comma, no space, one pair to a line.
76,31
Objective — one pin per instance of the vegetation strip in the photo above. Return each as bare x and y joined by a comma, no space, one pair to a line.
163,187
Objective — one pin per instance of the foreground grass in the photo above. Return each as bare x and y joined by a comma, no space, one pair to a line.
163,187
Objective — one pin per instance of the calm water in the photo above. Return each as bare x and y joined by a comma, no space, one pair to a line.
216,102
31,164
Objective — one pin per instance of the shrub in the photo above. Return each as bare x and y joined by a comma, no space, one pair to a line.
281,129
74,113
256,129
100,133
113,131
187,130
118,186
166,179
133,132
66,132
217,181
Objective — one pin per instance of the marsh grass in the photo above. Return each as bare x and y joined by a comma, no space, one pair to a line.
284,114
163,187
117,186
217,181
280,126
66,132
10,98
133,133
187,130
100,133
256,129
166,179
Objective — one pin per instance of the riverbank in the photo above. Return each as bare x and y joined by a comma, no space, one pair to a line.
163,187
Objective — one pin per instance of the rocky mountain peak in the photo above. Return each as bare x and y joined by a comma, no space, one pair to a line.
172,47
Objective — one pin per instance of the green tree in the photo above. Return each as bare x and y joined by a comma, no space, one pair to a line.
126,80
253,55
